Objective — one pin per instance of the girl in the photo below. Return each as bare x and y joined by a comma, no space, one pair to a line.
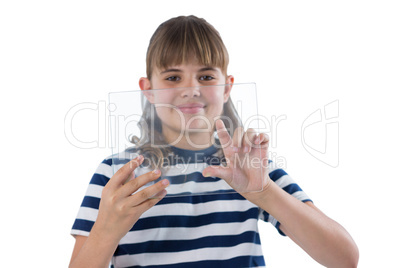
145,229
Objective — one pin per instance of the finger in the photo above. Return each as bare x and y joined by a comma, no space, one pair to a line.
223,134
225,139
132,186
121,176
149,203
161,194
262,140
238,137
151,192
217,171
130,177
248,138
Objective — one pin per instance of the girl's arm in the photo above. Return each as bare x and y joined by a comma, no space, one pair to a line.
92,251
119,210
322,238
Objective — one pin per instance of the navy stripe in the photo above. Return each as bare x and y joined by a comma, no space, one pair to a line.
172,160
99,179
108,162
91,202
279,230
195,176
266,215
184,245
196,158
193,156
292,188
213,160
242,261
194,221
197,199
277,174
118,161
201,193
83,225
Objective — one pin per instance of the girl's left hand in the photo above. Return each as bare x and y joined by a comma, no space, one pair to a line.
246,157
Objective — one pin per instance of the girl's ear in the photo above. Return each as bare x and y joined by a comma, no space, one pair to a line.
228,87
145,85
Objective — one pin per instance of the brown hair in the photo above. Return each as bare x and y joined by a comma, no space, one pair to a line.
179,39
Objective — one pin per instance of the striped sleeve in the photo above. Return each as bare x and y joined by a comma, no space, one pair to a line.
283,180
88,211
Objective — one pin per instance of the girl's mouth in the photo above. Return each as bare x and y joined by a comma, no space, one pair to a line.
191,108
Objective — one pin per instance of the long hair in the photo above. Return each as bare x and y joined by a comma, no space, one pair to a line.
171,44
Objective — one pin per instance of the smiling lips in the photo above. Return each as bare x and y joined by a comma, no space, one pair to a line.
191,108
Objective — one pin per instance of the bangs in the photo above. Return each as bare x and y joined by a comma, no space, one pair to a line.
183,40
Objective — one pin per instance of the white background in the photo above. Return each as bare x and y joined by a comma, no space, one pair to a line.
303,55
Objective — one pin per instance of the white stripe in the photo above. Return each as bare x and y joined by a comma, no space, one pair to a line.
123,155
197,187
300,195
284,181
245,249
86,213
187,233
104,169
187,209
192,187
140,171
174,170
184,168
94,190
272,220
79,232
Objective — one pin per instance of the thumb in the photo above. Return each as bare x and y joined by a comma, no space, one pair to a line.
217,171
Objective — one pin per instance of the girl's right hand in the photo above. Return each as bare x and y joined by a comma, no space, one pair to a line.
119,208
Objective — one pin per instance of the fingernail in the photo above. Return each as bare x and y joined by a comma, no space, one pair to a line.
156,171
257,140
206,175
235,149
139,158
165,182
245,149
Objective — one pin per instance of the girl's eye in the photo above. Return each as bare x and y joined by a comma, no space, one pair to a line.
173,78
206,78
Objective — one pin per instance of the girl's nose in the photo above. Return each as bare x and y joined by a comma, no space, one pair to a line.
191,90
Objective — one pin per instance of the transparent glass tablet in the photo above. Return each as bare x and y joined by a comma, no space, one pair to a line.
175,130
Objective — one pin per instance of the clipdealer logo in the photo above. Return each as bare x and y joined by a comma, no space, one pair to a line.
320,134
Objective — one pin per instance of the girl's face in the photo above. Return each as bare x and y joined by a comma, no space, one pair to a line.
189,100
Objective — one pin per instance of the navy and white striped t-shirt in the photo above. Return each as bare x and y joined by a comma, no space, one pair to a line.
213,230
